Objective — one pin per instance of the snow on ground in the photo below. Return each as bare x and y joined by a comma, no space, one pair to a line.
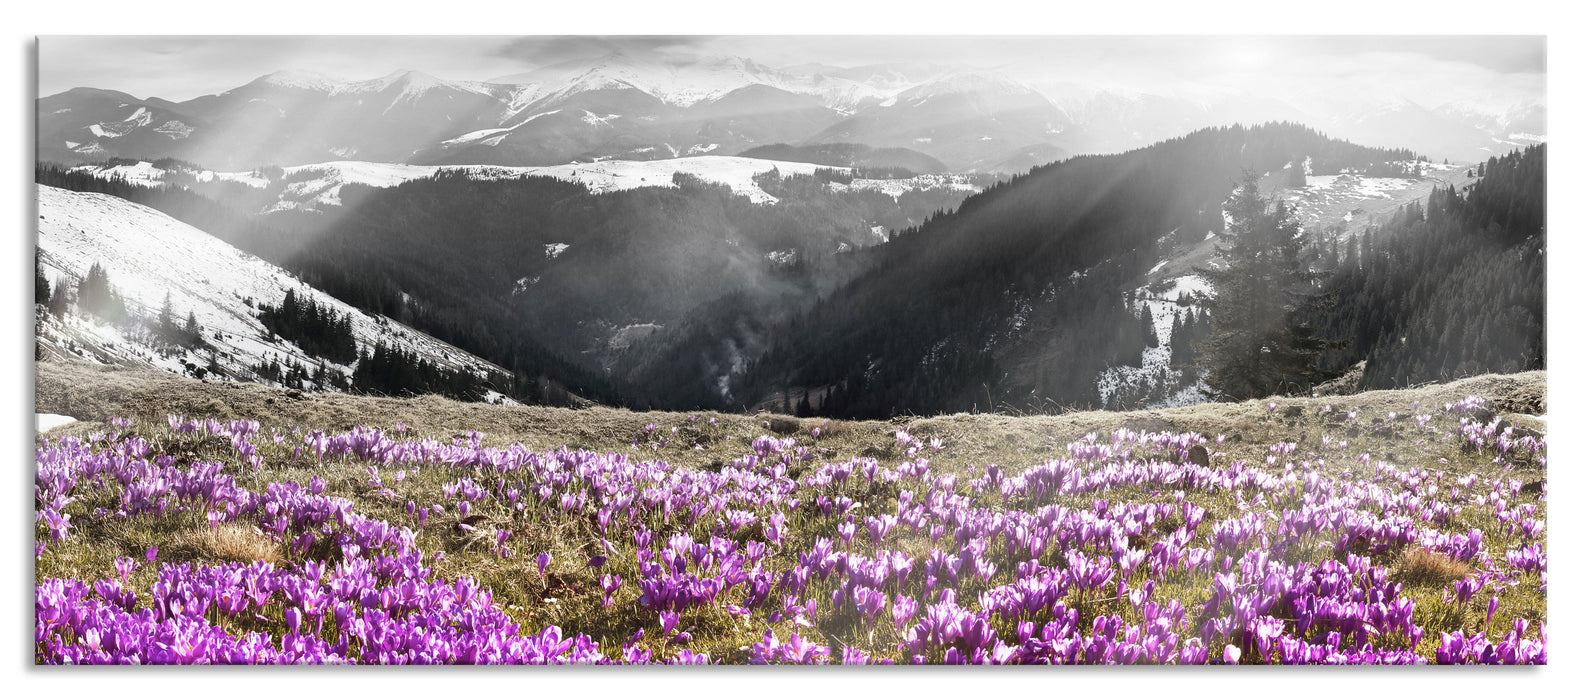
524,283
47,421
1348,186
142,172
495,397
145,172
553,250
623,338
473,136
174,129
1163,311
897,187
1190,284
148,254
592,119
320,184
311,187
731,171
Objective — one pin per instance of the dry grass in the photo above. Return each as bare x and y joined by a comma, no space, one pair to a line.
1420,567
230,542
93,393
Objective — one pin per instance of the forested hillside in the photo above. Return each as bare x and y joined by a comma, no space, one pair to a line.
1451,287
1017,297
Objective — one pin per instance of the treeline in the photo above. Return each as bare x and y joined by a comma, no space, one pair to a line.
934,325
358,280
471,257
318,330
1450,287
295,375
396,372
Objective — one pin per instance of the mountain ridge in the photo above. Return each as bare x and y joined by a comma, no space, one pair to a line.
622,106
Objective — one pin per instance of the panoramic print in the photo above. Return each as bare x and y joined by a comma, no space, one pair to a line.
1186,350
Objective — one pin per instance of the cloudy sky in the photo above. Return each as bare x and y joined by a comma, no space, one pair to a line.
1428,69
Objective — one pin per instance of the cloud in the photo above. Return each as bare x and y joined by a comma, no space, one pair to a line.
1501,54
540,50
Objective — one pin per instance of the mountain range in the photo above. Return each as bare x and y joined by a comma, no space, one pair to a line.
644,107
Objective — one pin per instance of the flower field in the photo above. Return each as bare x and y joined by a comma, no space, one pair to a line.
210,542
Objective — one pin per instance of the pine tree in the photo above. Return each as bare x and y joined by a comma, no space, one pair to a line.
167,327
192,333
60,299
40,286
1256,347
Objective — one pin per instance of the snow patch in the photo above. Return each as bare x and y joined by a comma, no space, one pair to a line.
553,250
524,283
596,120
47,421
174,129
899,186
473,136
1189,284
497,398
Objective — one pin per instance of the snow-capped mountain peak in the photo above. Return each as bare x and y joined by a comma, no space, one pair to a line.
298,80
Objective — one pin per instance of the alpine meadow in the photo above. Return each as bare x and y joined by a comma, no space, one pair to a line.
747,350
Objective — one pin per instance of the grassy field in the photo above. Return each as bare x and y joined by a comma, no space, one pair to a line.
1355,529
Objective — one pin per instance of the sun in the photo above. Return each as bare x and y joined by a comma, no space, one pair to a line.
1242,55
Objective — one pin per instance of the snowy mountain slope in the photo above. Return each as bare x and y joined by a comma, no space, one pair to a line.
319,185
148,254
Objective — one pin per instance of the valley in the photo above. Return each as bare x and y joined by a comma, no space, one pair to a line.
764,350
758,275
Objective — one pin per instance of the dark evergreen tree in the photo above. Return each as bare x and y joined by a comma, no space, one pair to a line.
60,298
40,286
167,326
96,297
1258,346
318,330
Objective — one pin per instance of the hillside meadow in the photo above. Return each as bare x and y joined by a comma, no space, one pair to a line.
192,522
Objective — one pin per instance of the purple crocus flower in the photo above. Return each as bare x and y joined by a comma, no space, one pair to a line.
543,565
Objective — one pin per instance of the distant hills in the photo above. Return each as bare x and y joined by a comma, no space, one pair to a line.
631,107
